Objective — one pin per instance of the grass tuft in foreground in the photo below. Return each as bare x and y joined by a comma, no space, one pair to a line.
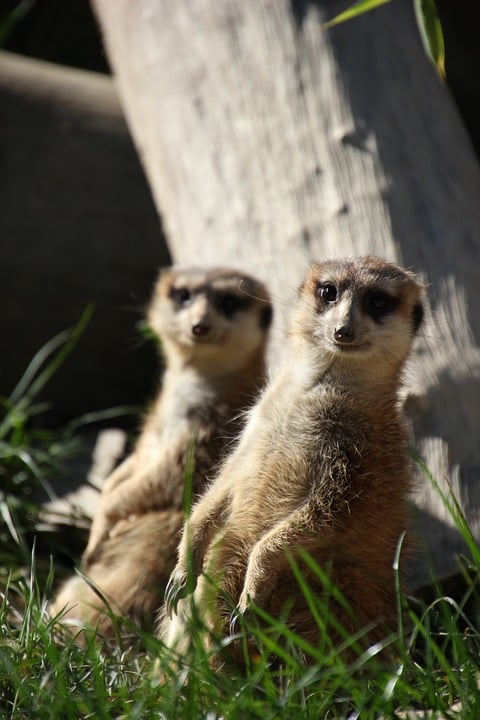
435,665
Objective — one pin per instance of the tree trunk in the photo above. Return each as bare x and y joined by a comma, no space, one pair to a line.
269,141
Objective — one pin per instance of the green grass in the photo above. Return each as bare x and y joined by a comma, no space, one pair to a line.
433,667
43,675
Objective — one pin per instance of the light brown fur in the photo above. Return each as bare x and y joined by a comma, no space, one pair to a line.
213,328
322,465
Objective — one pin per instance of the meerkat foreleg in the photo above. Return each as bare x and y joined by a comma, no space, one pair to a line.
197,536
126,497
121,473
268,556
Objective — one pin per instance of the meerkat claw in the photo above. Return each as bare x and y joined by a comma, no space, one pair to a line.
238,617
233,623
176,590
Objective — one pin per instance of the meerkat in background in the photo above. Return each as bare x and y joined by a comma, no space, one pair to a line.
321,466
213,326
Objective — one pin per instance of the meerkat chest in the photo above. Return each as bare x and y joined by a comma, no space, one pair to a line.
319,446
184,411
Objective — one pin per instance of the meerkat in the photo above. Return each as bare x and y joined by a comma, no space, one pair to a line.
213,327
321,466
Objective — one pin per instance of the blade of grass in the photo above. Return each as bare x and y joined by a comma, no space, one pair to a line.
9,521
454,509
100,416
15,16
431,32
73,337
39,359
358,8
34,380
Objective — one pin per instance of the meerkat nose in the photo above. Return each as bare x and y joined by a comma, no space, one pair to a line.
200,329
344,334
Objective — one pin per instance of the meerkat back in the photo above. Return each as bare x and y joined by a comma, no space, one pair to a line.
213,326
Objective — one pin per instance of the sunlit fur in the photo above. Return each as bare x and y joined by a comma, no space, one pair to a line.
322,465
210,379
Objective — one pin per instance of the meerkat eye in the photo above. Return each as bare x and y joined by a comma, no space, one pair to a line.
180,295
379,303
327,292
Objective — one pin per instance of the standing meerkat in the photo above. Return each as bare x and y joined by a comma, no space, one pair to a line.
213,326
321,466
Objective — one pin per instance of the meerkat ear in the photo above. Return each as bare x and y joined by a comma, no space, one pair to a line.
310,281
418,313
165,272
162,278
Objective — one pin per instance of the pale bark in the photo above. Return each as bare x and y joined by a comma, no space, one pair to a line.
269,141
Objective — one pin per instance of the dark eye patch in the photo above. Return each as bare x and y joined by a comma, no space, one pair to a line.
180,295
378,304
266,317
229,303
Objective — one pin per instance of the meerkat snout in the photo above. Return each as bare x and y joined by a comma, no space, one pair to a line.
200,329
344,334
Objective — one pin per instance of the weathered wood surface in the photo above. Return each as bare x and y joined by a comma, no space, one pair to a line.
269,141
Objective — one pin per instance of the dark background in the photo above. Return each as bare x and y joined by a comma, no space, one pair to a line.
77,220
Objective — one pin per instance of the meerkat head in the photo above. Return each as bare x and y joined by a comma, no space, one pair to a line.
358,311
217,316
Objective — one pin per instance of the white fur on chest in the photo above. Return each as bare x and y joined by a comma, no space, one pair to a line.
184,397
